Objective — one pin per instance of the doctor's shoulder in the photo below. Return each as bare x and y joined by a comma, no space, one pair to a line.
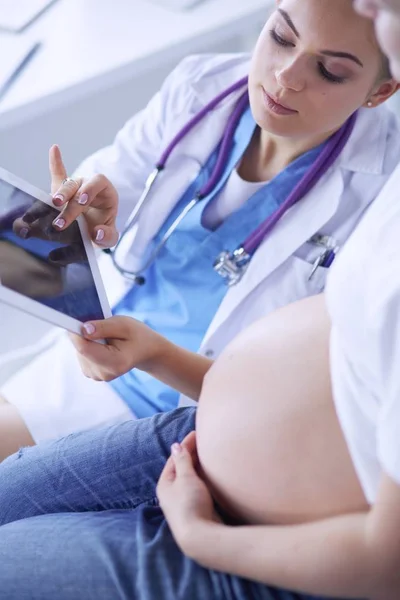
371,156
198,78
382,164
200,68
375,142
392,153
187,88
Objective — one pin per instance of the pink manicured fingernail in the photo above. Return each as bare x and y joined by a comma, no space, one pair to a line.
59,197
99,235
83,198
89,328
176,449
59,223
24,232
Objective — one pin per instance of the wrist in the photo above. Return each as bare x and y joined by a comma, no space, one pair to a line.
199,538
157,353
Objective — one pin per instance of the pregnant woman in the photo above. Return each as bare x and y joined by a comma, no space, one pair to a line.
284,484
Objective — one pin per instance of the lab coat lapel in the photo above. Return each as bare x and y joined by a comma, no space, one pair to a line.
195,148
299,224
364,155
182,168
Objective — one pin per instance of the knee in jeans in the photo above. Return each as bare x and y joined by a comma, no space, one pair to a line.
21,452
14,457
17,480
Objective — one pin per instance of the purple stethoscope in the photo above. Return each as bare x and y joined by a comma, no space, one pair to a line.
231,265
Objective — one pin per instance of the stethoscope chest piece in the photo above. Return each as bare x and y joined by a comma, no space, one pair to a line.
232,265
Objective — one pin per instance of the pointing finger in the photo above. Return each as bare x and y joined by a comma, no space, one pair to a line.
57,168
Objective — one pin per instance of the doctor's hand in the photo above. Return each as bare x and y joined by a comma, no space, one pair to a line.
96,199
184,497
130,344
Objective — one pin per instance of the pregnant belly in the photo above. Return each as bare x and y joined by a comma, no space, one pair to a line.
269,440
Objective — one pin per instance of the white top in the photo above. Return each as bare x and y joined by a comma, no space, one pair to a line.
363,298
233,195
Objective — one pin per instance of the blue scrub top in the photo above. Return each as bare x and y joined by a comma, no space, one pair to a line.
182,292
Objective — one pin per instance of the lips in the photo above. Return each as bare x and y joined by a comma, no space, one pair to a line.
276,106
281,103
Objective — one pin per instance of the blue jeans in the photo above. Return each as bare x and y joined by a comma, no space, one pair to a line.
80,520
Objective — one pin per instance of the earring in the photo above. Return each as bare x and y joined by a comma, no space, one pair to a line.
370,104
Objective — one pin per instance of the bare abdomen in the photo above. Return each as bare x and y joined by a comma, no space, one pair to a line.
269,440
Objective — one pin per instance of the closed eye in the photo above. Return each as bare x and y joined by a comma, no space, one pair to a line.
322,70
330,76
280,40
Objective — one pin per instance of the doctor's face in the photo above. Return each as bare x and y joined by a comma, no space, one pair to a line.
315,63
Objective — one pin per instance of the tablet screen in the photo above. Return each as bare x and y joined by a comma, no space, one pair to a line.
44,264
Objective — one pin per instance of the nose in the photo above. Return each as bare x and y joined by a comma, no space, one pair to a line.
290,75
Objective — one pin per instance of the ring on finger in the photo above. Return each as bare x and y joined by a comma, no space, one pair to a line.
69,180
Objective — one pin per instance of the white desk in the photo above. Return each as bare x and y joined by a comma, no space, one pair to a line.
92,45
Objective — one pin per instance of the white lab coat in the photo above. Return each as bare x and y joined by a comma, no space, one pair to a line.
279,271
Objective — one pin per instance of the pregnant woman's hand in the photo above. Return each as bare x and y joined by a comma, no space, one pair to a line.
184,497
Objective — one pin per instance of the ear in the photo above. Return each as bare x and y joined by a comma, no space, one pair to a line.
384,91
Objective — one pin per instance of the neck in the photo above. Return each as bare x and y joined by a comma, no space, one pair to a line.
267,154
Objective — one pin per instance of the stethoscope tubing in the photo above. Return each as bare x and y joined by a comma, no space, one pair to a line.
203,192
325,159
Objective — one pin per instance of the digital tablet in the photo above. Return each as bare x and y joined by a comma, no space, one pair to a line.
45,272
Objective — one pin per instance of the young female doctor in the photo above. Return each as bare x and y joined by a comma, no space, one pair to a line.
314,127
305,484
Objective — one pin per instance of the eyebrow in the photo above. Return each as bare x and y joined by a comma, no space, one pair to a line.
289,21
343,55
347,55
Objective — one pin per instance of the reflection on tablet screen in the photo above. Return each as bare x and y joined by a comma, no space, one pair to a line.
42,263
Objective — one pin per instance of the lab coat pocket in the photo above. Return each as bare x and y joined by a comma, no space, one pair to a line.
301,282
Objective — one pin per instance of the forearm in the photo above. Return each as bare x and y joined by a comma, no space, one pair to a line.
180,369
329,558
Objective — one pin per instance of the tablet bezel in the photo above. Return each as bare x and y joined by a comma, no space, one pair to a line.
30,305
